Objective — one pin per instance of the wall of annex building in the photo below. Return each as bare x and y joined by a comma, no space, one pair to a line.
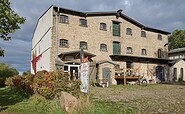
41,42
178,66
179,55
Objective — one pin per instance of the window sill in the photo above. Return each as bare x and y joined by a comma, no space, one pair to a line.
103,29
64,46
64,22
83,25
103,50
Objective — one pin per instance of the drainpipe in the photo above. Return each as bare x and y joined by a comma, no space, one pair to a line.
56,38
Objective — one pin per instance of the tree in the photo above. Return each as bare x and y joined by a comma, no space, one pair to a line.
28,72
5,72
9,20
177,39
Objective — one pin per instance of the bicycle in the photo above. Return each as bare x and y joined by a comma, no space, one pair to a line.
142,81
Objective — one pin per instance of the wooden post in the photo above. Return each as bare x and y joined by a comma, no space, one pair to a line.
124,78
125,81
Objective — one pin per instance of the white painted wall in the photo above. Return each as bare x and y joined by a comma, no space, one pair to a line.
41,41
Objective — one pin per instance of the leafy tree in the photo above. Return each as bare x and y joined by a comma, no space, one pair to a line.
28,72
7,71
9,20
177,39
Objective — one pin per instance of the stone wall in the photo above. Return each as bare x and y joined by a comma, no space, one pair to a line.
94,37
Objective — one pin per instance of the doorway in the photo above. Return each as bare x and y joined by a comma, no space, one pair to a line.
106,74
73,69
160,73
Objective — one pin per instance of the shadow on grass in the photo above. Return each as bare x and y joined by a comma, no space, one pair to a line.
9,97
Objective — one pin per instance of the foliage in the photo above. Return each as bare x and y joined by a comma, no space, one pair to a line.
28,72
177,39
9,20
43,84
20,84
1,52
6,71
47,84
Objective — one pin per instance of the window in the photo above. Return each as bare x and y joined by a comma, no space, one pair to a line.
181,74
116,29
159,52
63,43
83,22
143,52
129,64
83,45
129,50
116,48
64,19
143,34
129,31
159,37
103,47
103,26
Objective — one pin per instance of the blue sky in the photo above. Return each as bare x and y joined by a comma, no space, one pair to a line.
166,15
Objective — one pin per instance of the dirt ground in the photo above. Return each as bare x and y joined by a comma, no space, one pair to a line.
157,98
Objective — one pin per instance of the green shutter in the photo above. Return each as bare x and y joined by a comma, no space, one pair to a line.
116,48
116,31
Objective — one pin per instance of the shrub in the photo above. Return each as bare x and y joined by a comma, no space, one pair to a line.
43,84
20,84
47,84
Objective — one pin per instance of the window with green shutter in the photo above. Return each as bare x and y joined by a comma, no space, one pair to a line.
116,48
116,29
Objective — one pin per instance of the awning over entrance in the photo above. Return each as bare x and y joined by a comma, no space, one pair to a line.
139,59
70,55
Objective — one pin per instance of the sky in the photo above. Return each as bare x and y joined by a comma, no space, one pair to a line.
166,15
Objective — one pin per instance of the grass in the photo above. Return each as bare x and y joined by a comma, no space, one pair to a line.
9,97
11,101
16,103
158,98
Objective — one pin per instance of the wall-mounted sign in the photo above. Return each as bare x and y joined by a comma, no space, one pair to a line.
84,77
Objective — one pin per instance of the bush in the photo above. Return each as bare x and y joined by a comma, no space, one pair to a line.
47,84
20,84
2,82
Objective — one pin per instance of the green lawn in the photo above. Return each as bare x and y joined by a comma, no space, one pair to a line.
134,99
11,101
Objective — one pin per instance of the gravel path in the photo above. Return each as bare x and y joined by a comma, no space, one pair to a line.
158,98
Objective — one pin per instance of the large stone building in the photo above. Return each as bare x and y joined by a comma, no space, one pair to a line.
111,40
